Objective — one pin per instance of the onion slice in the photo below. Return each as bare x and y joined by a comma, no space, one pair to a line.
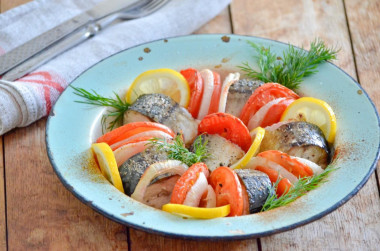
228,81
208,199
123,153
208,89
153,171
151,133
260,161
193,197
258,117
315,167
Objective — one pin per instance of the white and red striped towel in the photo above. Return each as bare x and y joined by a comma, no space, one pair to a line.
30,98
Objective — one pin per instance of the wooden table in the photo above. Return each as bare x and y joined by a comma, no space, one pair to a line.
37,212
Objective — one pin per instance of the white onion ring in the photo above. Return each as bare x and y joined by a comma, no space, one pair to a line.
260,161
194,195
208,89
228,81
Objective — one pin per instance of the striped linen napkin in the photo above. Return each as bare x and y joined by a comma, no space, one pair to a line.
30,98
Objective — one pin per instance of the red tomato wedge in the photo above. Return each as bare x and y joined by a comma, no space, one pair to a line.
227,126
263,95
283,186
195,82
275,112
228,190
131,129
187,180
290,164
214,105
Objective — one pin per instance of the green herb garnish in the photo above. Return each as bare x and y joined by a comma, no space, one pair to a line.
303,186
292,67
94,98
176,149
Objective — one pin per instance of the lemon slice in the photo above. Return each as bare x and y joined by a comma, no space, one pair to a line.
165,81
257,136
197,212
107,163
314,111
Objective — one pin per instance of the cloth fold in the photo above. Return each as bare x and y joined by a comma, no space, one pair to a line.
30,98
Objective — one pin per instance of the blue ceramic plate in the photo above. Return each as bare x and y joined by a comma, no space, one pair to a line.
72,127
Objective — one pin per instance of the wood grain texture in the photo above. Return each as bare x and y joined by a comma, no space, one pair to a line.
364,24
42,214
144,241
3,237
355,225
9,4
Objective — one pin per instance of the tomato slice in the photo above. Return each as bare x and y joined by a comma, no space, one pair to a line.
290,164
228,189
283,186
227,126
131,129
214,105
195,82
262,95
187,180
275,112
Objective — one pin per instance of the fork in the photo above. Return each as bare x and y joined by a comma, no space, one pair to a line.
82,35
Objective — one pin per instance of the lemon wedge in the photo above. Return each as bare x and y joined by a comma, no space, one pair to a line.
314,111
165,81
257,135
107,163
197,212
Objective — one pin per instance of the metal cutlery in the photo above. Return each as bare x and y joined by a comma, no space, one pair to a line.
32,47
80,36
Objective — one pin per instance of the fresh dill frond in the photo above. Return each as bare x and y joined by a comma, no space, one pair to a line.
176,149
290,69
96,99
303,186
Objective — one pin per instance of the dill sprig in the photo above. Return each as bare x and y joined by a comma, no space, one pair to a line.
303,186
96,99
176,149
292,67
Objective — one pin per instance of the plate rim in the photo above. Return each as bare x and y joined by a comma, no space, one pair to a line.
203,237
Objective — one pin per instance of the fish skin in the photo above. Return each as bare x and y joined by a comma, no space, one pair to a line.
132,169
162,109
300,139
239,93
258,186
222,151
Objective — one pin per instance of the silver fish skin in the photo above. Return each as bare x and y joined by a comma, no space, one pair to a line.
222,151
258,186
132,169
239,93
300,139
162,109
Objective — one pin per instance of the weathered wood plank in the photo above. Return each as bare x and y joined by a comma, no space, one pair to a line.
355,225
144,241
9,4
42,214
364,24
3,237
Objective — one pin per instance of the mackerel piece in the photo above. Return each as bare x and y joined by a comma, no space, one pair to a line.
132,170
162,109
222,151
258,187
300,139
239,93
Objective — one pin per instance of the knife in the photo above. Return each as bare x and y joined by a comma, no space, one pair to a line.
32,47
